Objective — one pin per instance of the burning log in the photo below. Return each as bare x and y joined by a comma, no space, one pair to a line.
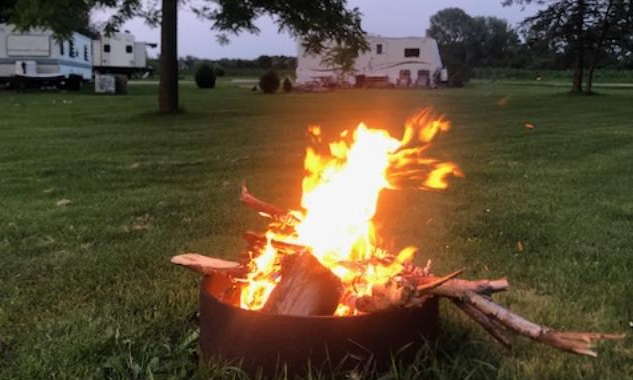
306,288
208,265
399,293
255,240
267,209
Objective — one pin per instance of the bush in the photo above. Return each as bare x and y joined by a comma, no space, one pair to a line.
458,74
219,71
287,86
205,77
269,82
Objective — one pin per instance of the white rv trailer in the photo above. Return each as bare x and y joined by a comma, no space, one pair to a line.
119,53
37,53
404,61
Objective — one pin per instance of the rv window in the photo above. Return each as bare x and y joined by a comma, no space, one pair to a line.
128,48
86,53
106,48
410,52
61,48
379,49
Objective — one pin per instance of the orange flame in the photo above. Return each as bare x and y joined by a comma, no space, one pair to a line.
340,196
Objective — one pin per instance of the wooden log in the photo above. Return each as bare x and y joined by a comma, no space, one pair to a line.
256,240
494,329
474,299
392,294
267,209
306,288
406,292
575,342
431,282
455,288
208,265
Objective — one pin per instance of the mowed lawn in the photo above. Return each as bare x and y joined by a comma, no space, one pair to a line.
98,192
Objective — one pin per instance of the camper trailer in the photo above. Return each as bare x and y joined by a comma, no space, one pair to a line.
119,53
36,58
37,55
391,61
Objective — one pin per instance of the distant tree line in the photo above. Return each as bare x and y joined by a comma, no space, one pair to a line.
583,35
264,62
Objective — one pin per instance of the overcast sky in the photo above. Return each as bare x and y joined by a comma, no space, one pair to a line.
385,17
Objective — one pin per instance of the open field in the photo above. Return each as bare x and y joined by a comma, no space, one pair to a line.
501,73
87,290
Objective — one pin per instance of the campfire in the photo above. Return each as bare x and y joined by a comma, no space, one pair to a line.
325,259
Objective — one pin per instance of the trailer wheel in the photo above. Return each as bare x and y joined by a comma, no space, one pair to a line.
73,83
17,84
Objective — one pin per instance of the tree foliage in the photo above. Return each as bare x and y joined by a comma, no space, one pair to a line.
265,62
341,58
316,22
473,41
67,16
579,33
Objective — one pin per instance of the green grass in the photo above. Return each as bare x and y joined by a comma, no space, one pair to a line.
87,290
505,73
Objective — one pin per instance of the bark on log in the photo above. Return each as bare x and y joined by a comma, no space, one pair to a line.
474,299
208,265
497,331
576,342
306,288
431,282
455,288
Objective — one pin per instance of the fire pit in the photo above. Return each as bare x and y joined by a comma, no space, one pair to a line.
318,288
267,341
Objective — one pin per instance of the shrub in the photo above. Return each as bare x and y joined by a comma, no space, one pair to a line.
219,71
458,74
205,77
269,82
287,86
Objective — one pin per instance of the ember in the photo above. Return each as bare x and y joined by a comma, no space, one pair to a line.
324,259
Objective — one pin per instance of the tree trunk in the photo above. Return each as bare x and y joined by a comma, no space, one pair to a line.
168,67
579,49
599,45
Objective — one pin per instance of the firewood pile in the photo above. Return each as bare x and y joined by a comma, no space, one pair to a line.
305,287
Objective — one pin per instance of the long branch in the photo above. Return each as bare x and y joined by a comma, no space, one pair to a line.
576,342
266,208
490,325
